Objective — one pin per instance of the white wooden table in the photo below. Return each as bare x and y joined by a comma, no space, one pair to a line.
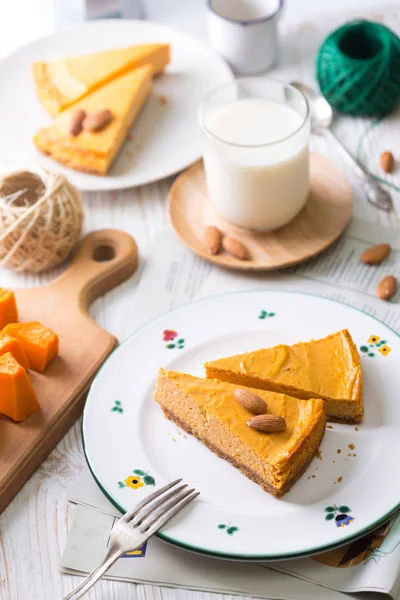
34,528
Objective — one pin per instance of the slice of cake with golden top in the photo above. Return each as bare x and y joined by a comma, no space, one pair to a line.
270,437
328,368
88,136
61,83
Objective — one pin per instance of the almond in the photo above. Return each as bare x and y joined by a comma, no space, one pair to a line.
386,288
213,239
251,401
235,248
75,124
387,162
375,254
267,423
98,120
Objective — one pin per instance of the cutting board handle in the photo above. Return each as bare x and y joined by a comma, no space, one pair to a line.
103,260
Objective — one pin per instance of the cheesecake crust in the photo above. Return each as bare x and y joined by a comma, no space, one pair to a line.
94,151
250,473
209,410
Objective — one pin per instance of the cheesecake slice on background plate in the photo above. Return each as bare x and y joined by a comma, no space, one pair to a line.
61,83
94,151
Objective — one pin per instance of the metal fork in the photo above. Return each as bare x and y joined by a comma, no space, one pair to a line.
137,526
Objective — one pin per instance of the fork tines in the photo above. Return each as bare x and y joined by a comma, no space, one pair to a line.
159,507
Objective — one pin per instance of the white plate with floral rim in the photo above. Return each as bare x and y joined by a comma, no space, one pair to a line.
132,449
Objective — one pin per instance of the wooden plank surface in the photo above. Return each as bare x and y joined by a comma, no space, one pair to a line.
34,527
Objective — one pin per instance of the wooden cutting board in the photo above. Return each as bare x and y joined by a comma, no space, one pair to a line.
103,260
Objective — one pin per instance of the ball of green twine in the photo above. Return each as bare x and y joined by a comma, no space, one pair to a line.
358,69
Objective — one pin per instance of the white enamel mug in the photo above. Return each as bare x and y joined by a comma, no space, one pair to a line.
245,33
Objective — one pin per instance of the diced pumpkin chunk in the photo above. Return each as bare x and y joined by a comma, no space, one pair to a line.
39,343
17,396
8,308
11,344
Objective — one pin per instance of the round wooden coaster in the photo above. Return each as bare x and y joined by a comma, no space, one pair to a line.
321,222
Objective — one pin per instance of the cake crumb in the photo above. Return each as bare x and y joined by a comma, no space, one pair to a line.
173,439
313,476
338,450
351,446
163,100
355,428
349,454
319,454
329,427
354,454
308,477
340,479
185,437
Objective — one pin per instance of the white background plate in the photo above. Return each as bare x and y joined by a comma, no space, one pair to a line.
166,138
117,443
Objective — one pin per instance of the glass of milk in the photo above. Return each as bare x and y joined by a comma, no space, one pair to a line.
255,149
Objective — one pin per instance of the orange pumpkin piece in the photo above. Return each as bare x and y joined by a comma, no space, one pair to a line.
39,343
17,396
11,344
8,308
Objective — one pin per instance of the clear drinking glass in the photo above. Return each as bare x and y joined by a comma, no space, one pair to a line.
255,147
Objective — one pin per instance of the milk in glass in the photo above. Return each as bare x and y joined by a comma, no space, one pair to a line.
256,162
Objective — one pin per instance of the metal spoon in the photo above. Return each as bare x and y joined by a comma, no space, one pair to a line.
321,117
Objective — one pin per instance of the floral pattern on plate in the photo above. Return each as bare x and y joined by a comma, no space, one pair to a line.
137,480
230,529
265,314
117,407
339,513
375,343
170,336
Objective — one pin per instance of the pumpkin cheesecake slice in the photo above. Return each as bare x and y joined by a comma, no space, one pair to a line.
63,82
94,151
328,368
209,409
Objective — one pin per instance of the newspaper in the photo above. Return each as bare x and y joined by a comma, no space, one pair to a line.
174,277
337,273
369,564
164,565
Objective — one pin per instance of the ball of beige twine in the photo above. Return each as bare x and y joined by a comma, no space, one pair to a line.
41,218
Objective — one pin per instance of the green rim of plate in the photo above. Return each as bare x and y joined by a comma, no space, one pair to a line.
223,555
